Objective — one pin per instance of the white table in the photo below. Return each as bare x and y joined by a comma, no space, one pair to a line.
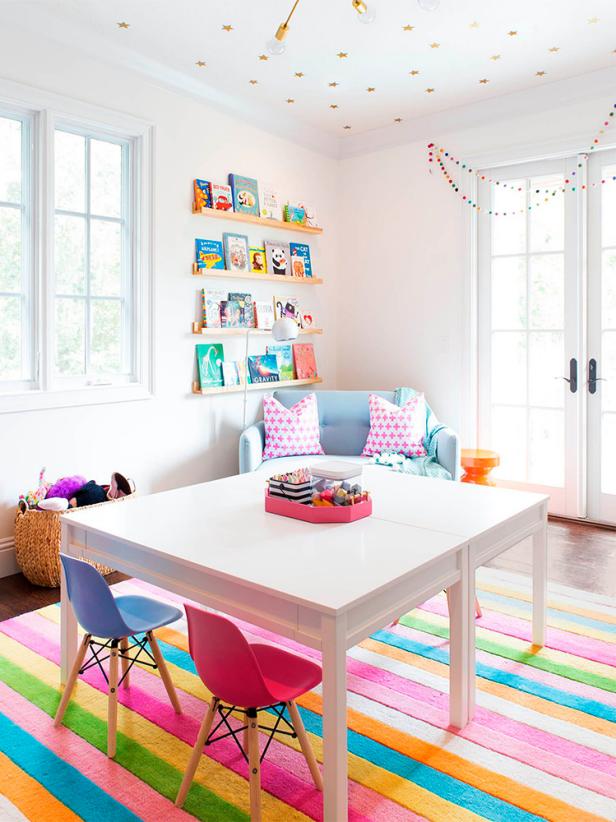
328,586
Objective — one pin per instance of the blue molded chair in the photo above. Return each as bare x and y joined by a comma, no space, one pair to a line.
117,620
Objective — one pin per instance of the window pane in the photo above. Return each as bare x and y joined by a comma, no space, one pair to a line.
106,173
509,293
10,338
608,208
10,249
545,368
509,233
70,244
509,440
547,223
10,160
546,450
70,336
509,367
106,348
608,296
70,171
105,258
608,463
547,291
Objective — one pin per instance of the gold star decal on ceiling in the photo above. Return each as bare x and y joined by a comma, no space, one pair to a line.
397,119
512,33
123,25
201,63
334,85
290,100
540,73
592,20
227,28
414,72
435,45
346,128
371,88
429,91
554,49
342,54
263,57
253,82
299,74
333,105
485,81
495,57
473,25
408,27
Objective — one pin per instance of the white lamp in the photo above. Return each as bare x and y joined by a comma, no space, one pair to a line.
284,330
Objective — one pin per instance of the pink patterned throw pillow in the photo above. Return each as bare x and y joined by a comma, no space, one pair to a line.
399,429
291,432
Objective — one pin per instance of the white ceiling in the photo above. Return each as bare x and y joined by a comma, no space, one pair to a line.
561,38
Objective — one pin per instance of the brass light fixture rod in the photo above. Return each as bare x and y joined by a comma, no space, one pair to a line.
283,28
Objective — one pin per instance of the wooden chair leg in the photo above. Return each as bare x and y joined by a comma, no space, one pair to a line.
72,678
125,662
164,673
305,745
112,702
254,765
197,750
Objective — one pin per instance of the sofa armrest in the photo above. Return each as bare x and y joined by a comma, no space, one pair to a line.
448,451
252,443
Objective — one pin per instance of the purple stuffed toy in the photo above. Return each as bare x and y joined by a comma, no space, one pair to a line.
66,487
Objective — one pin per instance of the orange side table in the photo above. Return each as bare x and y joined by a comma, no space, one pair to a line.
477,464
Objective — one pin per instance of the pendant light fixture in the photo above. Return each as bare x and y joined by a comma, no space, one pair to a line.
428,5
277,45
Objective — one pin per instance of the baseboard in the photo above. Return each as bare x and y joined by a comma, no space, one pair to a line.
8,564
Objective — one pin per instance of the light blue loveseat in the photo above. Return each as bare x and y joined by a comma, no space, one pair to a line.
345,421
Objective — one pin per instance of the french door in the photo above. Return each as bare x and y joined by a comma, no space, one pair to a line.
547,330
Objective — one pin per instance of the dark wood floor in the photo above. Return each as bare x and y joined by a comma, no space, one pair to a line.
580,556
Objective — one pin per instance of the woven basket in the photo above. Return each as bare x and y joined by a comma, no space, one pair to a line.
38,537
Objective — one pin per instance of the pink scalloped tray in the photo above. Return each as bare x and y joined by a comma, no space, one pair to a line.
311,513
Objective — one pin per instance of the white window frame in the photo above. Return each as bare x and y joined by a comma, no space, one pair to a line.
47,112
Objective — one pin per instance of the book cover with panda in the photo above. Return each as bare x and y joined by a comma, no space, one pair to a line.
278,257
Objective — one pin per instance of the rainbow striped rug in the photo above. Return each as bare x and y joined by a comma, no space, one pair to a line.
542,745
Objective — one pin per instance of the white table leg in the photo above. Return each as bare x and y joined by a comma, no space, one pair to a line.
335,787
540,582
461,652
68,623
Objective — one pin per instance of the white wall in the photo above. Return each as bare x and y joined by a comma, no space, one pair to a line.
174,439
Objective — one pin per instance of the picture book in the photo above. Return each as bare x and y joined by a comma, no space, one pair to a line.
209,365
297,267
211,300
263,368
284,353
246,308
294,214
305,363
230,373
302,250
311,215
236,251
230,314
278,258
209,254
221,197
245,194
202,194
264,315
287,307
269,202
307,320
258,263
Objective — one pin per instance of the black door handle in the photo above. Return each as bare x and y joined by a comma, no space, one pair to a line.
593,379
572,379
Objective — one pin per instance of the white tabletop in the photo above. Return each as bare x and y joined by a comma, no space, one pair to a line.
222,526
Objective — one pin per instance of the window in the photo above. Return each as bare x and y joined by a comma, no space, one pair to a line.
75,296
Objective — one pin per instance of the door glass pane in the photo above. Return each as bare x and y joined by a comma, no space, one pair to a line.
10,248
10,160
607,370
105,258
70,171
608,208
106,348
509,440
608,449
545,369
70,241
608,289
547,221
10,338
508,293
509,233
546,447
509,367
70,336
106,173
547,291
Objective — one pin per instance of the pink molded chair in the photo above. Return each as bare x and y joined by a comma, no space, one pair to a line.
247,677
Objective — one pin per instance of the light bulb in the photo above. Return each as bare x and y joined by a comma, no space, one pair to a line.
276,47
368,16
428,5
